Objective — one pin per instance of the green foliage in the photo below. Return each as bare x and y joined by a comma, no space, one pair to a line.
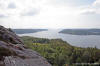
60,53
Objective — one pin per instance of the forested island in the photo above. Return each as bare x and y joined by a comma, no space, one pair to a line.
81,31
23,31
60,53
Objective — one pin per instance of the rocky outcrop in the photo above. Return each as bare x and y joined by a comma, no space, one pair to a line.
14,53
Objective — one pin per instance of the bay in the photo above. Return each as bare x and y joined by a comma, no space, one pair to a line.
75,40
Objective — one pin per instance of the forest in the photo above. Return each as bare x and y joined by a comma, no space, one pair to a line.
81,31
60,53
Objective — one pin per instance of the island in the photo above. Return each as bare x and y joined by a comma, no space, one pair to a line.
81,31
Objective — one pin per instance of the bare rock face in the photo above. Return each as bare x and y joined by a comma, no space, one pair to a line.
14,53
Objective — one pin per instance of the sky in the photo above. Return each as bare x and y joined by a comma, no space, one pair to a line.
50,13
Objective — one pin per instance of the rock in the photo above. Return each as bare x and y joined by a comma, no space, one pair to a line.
14,53
16,61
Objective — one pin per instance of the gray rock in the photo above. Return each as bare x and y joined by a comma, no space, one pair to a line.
14,53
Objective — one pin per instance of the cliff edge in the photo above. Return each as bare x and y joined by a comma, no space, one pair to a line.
14,53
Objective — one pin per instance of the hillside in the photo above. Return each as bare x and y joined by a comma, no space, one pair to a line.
81,31
60,53
14,53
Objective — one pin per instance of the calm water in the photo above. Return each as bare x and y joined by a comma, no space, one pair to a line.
75,40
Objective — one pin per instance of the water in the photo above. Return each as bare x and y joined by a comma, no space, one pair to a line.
75,40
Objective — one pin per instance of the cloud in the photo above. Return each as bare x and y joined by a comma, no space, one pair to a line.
12,5
49,13
73,3
89,13
94,8
96,3
20,7
3,16
30,12
35,7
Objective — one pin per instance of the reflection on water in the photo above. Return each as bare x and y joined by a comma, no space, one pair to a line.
75,40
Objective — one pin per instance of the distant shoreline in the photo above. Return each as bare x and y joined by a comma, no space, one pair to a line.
81,31
24,31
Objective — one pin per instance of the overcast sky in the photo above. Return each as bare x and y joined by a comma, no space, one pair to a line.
50,13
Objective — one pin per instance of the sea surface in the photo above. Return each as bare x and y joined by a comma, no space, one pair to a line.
75,40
